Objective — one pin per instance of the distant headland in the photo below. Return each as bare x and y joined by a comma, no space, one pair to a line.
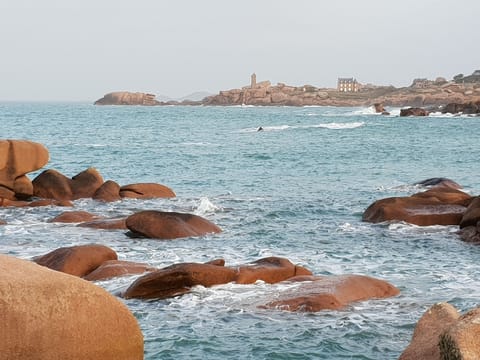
349,92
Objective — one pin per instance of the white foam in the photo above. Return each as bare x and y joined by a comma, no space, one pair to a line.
340,126
206,207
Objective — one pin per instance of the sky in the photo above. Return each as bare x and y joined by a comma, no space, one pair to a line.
80,50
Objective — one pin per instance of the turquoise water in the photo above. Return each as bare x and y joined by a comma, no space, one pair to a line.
296,189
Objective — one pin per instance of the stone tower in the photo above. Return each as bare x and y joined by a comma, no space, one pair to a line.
253,81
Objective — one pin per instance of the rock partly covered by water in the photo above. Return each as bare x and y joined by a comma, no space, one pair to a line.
50,315
318,293
180,278
442,333
127,98
18,158
437,206
169,225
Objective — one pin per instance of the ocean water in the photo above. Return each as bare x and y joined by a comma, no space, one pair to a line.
297,189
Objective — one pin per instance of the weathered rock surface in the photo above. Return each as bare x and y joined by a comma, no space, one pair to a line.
318,293
438,206
180,278
49,315
108,192
462,339
51,184
77,260
441,333
146,191
115,268
426,337
169,225
18,158
127,98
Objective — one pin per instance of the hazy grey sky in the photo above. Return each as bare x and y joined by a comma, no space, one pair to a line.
80,50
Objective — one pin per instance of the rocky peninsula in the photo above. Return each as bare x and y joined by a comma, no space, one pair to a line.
421,93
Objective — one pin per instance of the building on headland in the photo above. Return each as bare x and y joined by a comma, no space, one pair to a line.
421,83
348,85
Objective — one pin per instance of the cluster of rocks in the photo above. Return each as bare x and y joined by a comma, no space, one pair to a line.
467,108
56,280
443,204
53,281
441,333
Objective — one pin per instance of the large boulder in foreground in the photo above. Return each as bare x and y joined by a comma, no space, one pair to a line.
426,337
441,333
169,225
78,260
48,315
180,278
51,184
127,98
18,158
438,206
318,293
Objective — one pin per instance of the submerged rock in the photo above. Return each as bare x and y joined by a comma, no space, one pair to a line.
318,293
178,279
169,225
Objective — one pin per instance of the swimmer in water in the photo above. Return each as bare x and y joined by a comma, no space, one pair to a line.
260,129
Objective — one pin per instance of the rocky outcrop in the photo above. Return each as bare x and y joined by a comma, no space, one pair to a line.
467,108
51,184
413,111
437,206
169,225
77,260
18,158
50,315
318,293
442,333
180,278
127,98
436,93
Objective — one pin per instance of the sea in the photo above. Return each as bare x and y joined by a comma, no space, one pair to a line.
296,189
